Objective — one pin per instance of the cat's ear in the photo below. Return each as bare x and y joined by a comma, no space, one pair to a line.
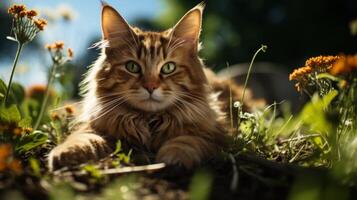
114,27
189,26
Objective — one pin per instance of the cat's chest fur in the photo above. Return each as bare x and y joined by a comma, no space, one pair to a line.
140,129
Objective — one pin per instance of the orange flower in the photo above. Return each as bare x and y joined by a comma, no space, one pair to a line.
17,131
22,13
2,165
59,45
70,53
5,151
69,109
16,9
36,90
28,130
40,24
322,63
49,47
31,13
55,46
15,166
55,116
345,65
300,73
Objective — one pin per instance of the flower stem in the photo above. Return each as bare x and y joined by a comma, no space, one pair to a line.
18,52
47,94
240,108
263,48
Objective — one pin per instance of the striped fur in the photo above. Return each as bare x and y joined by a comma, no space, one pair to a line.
182,126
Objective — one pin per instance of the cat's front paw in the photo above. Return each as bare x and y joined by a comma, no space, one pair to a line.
77,149
181,156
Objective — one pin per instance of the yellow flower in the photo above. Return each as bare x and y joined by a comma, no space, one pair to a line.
31,13
55,46
70,53
16,9
17,131
55,116
40,24
69,109
28,130
59,45
22,13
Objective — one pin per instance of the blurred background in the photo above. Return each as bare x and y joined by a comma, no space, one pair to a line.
232,31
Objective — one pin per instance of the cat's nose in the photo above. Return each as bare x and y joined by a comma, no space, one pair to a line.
151,86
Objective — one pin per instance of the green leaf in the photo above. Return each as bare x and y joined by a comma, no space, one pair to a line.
314,115
17,93
318,142
328,76
329,97
11,114
200,186
93,171
35,166
117,147
2,89
31,141
25,122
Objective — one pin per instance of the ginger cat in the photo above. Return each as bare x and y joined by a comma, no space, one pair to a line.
150,90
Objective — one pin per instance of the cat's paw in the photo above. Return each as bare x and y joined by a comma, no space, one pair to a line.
182,156
77,149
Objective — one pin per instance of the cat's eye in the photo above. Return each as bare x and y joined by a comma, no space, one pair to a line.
133,67
168,68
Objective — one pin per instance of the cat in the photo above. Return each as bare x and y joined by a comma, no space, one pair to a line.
151,91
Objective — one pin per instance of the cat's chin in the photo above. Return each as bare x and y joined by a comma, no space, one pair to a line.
151,105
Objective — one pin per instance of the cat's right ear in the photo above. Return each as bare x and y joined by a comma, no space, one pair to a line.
114,27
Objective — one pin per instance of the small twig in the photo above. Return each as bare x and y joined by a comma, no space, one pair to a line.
282,167
297,154
121,170
300,137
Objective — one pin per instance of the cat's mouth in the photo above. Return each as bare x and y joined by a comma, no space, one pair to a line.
152,99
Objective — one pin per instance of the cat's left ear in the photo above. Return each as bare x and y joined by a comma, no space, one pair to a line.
114,27
189,26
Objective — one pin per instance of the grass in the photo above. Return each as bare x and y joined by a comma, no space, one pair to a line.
273,155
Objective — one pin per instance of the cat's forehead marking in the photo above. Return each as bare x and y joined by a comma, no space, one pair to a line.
151,46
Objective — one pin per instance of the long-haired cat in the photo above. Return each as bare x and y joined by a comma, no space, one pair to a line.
150,90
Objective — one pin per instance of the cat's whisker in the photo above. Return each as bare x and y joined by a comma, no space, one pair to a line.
192,106
64,106
195,107
106,111
105,103
117,103
195,97
185,113
119,35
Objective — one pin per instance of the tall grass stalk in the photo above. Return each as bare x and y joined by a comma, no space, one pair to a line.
18,52
239,110
230,102
51,77
262,48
